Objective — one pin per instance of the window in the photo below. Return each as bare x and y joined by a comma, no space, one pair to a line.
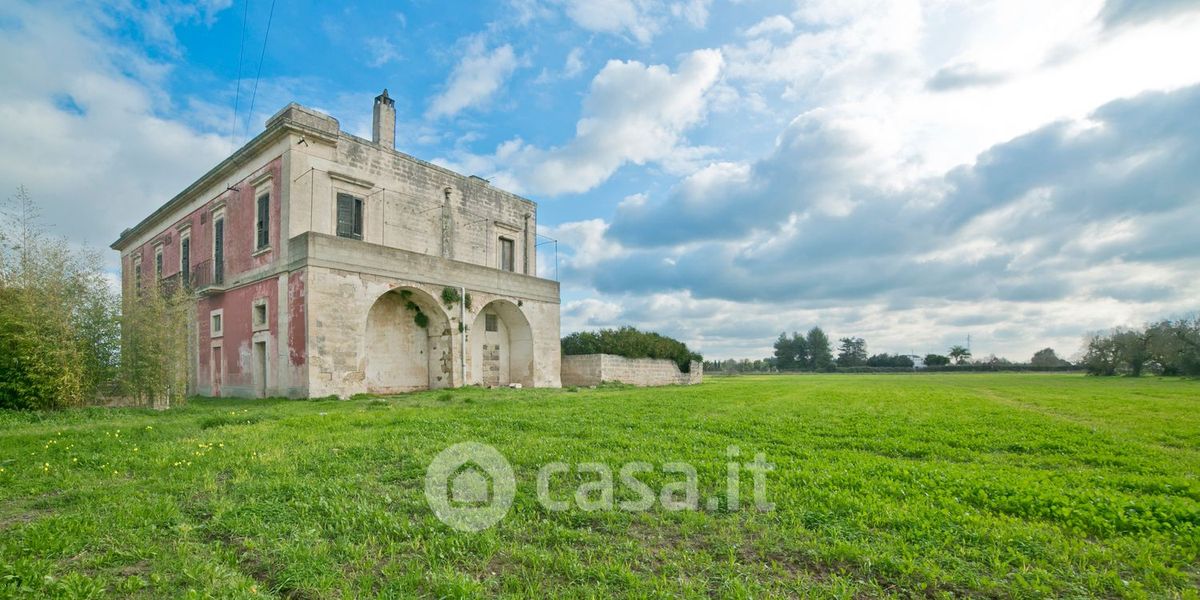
490,322
349,216
185,258
219,249
262,229
259,315
216,327
137,274
158,262
507,255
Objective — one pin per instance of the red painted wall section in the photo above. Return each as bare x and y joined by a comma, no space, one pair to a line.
241,255
297,314
237,332
240,238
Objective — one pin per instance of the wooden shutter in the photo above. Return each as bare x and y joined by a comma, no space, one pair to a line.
345,215
358,218
507,261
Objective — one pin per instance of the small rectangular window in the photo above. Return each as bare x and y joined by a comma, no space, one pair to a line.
507,255
349,217
260,314
263,227
137,275
216,325
158,262
491,323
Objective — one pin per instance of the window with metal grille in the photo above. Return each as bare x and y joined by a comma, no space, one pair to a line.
349,217
491,322
507,255
263,227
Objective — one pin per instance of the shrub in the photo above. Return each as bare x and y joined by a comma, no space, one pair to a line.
630,343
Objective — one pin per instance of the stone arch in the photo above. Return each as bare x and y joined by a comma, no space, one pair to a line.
401,355
505,355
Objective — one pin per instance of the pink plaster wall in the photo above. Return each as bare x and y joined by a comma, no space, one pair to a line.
240,256
240,207
237,331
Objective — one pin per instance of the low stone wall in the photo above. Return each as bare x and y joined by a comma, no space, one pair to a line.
592,369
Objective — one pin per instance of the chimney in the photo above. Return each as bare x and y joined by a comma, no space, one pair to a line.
383,123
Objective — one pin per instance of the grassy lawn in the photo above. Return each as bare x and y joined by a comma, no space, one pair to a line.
1007,485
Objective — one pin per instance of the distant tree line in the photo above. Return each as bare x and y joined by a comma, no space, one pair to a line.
630,343
1168,347
812,352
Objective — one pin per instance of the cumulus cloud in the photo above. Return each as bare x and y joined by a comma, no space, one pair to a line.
621,17
476,78
633,113
1053,217
82,115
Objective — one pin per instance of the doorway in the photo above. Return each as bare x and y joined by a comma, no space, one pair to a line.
217,368
260,369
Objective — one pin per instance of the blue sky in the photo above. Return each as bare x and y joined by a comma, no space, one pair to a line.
719,170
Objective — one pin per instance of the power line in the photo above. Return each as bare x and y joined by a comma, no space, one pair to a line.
237,96
253,95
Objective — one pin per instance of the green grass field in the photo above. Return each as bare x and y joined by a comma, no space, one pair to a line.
999,485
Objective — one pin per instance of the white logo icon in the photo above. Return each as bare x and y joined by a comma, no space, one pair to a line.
470,486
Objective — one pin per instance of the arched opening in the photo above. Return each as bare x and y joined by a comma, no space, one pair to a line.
407,345
501,346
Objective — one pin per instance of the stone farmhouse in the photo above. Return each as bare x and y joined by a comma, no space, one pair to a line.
325,264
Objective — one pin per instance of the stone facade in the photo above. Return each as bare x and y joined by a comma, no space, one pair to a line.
326,264
593,369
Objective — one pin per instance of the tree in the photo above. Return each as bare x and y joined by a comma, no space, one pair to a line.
1166,347
1101,356
936,360
1174,346
890,360
819,353
1047,358
58,315
791,352
852,352
959,354
785,358
1132,350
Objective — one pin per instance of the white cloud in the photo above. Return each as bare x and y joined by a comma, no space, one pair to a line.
82,115
620,17
695,12
382,51
777,24
477,77
574,63
633,113
639,20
